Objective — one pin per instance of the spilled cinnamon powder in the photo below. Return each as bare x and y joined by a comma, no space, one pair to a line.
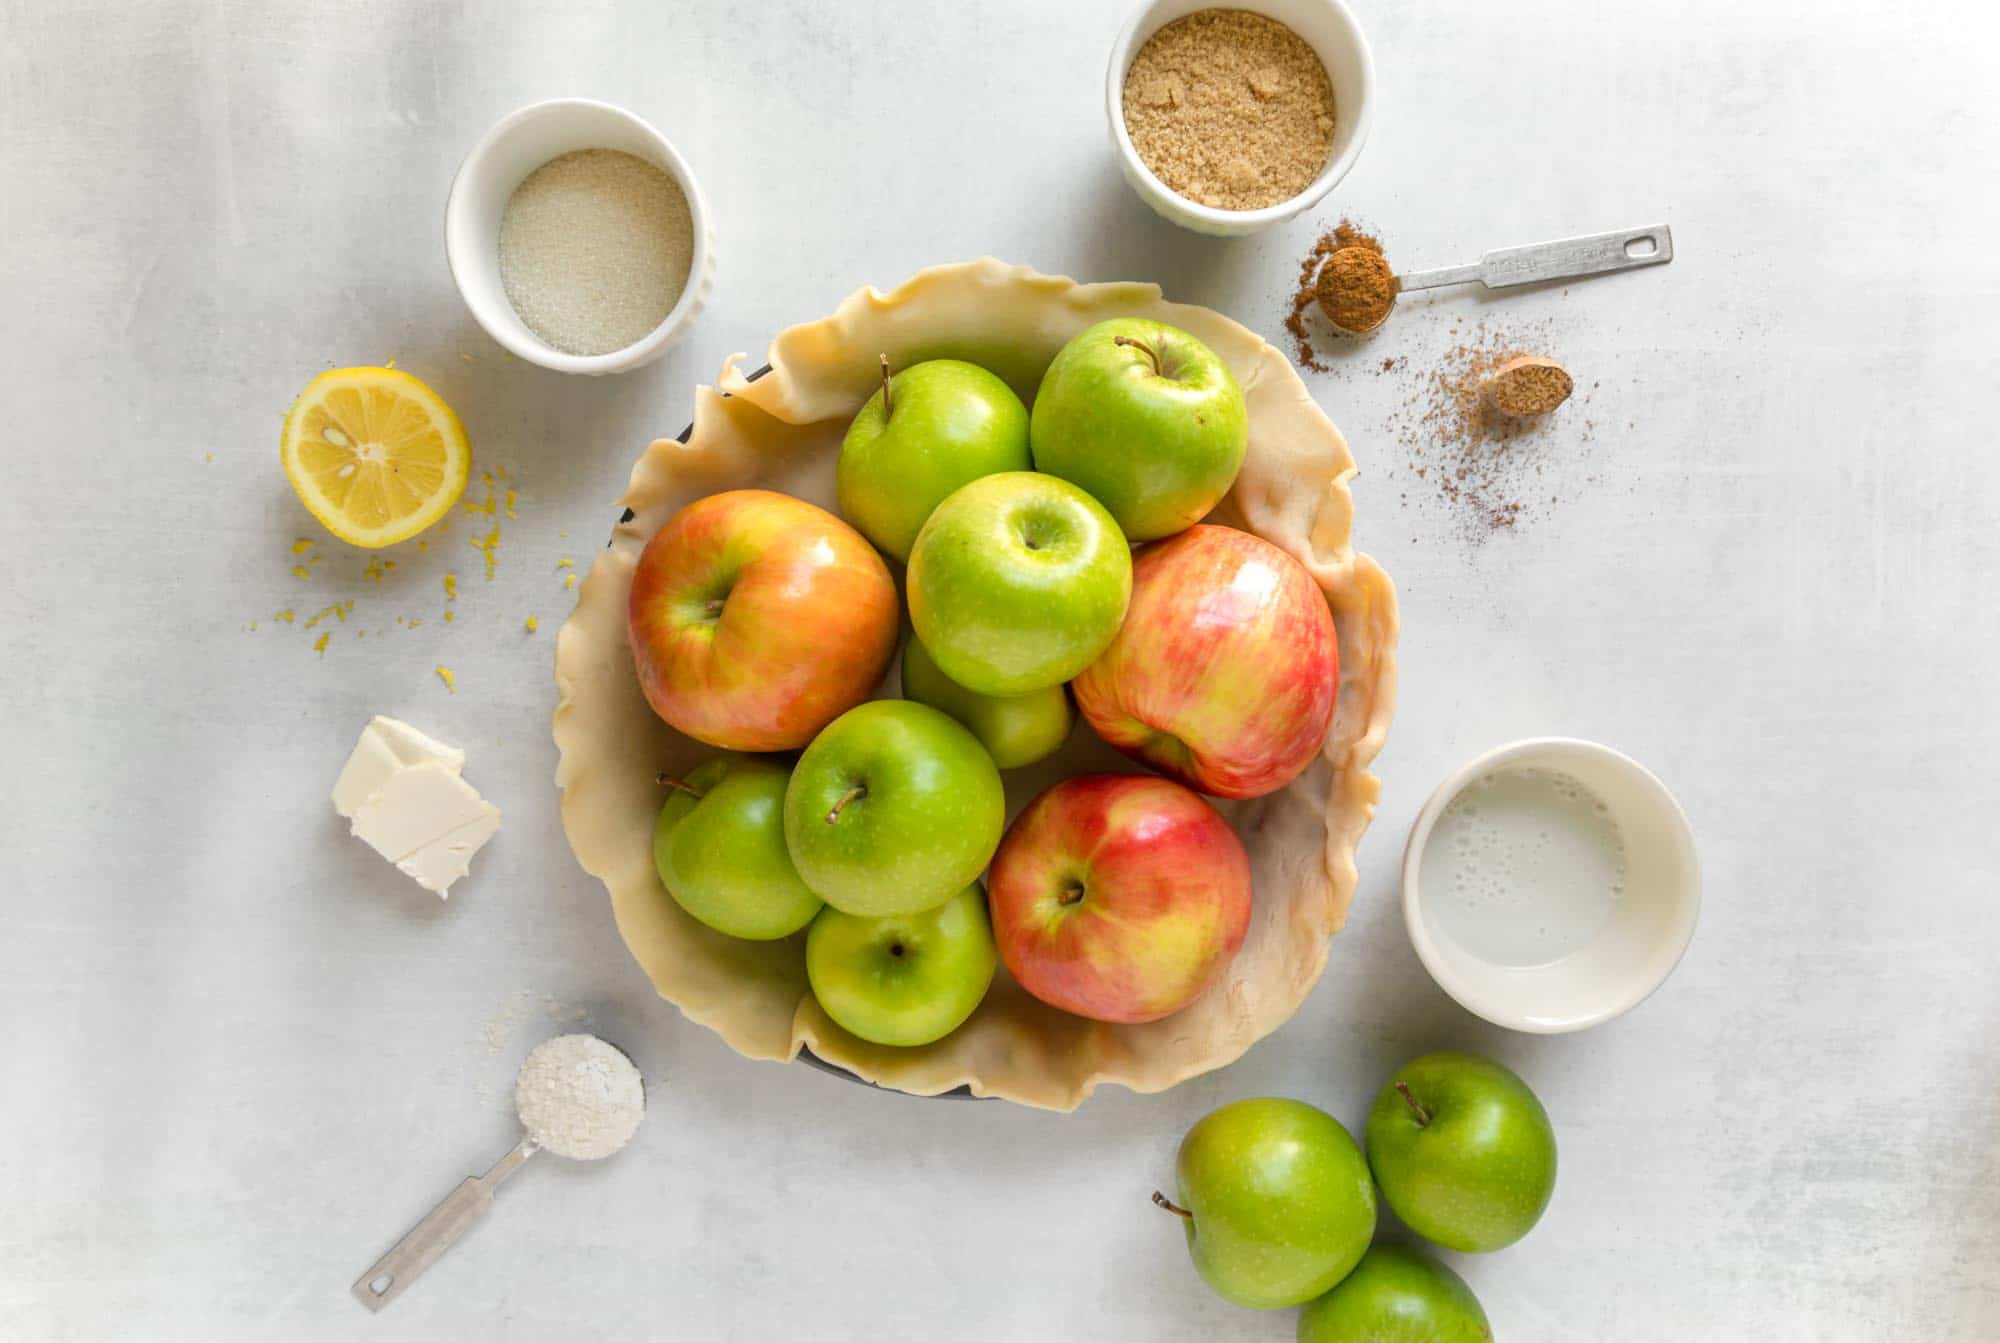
1344,235
1489,469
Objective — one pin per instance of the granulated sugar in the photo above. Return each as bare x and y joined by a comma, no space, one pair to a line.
579,1097
595,249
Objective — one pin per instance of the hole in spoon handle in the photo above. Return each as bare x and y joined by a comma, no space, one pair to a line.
388,1277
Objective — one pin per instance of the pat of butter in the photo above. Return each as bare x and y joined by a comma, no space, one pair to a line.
402,792
387,746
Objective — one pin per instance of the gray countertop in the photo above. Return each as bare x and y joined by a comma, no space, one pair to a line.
248,1054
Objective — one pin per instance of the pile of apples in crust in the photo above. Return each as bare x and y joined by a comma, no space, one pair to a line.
760,624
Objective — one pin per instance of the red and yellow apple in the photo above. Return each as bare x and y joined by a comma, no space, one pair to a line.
1225,671
1119,897
756,619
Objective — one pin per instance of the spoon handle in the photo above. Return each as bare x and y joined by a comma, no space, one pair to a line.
1563,259
440,1229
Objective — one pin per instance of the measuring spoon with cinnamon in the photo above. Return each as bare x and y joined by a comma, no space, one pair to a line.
1357,290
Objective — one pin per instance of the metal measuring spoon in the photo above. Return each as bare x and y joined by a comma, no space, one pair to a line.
443,1225
1563,259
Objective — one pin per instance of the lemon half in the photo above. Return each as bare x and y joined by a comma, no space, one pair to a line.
375,455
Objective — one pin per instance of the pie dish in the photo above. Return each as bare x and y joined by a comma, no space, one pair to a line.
782,431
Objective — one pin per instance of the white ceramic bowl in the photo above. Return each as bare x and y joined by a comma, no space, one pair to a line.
517,145
1634,951
1329,28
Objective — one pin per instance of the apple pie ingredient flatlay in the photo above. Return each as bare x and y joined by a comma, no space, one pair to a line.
1230,109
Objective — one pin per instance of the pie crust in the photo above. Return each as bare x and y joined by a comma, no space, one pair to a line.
782,431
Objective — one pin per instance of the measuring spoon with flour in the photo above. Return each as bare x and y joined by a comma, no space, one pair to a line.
1563,259
577,1096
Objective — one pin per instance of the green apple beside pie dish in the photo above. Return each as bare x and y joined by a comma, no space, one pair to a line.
782,431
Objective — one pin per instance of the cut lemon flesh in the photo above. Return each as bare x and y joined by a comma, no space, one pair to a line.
374,454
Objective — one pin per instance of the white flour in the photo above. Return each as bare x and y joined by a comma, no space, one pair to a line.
579,1097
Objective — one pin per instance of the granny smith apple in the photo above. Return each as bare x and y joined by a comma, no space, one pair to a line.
1396,1295
933,427
1463,1151
719,846
1017,582
894,808
1147,419
1016,730
903,979
1277,1201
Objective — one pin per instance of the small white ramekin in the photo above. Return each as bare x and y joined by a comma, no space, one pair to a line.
1329,28
1629,957
517,145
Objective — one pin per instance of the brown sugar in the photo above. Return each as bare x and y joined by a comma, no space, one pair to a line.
1356,289
1527,384
1230,109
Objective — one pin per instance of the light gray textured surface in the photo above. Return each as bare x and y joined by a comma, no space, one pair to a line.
246,1055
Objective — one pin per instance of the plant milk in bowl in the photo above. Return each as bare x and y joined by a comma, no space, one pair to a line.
1524,866
1550,885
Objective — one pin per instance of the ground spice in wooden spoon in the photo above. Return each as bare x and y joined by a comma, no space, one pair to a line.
1527,384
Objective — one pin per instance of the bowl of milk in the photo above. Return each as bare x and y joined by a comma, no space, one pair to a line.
1551,885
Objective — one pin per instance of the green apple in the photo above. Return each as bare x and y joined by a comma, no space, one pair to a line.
933,427
1147,419
1018,582
1396,1295
719,846
903,979
1277,1201
894,808
1463,1151
1016,730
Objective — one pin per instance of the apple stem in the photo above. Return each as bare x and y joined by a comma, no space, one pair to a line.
887,409
667,780
1423,1115
1176,1209
1071,893
857,791
713,606
1151,353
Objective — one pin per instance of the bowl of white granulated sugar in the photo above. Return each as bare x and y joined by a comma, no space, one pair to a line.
579,238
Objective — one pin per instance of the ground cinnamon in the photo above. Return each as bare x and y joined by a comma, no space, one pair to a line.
1356,289
1343,235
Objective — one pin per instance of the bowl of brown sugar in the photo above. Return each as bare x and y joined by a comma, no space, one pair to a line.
1229,120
